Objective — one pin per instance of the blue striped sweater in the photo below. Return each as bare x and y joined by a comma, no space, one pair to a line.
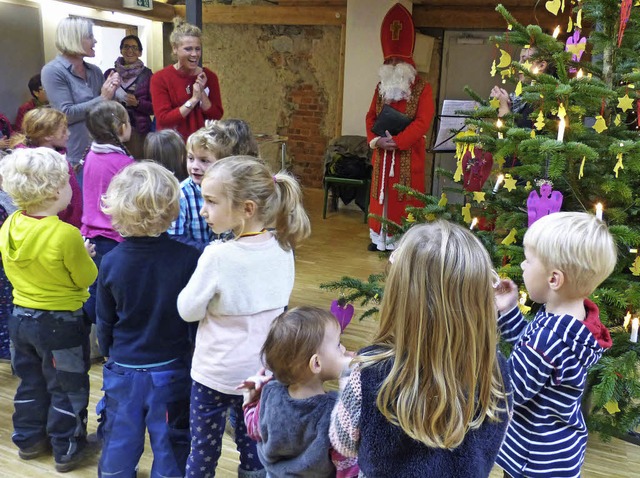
547,436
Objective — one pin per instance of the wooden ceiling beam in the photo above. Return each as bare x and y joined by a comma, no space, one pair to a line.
161,12
465,18
476,3
265,15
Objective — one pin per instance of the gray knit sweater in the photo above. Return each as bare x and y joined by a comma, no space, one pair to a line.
295,433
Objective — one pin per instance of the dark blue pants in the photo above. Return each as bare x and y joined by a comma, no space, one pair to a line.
51,359
103,245
154,399
209,410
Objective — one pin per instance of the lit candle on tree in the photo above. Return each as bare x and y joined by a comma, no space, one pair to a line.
580,74
599,210
498,182
556,32
473,223
499,125
634,330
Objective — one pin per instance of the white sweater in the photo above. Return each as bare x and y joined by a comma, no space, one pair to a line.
236,291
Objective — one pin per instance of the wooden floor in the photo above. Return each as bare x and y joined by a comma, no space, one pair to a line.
336,248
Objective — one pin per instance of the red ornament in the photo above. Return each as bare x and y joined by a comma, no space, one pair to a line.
476,170
625,13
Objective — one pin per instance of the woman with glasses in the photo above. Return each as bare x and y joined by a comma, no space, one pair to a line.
74,86
133,92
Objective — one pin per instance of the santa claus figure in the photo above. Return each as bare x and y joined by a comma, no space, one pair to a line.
399,158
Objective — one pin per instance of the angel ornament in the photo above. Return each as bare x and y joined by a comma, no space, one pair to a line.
544,204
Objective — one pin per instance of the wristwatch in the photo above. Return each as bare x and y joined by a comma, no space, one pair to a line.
188,104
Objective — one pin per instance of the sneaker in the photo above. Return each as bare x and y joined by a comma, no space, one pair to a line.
91,448
35,451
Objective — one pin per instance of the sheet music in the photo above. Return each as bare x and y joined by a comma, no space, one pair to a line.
450,120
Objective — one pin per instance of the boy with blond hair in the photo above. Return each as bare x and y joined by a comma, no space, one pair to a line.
567,255
146,378
50,268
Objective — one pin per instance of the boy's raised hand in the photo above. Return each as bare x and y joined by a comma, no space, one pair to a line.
506,294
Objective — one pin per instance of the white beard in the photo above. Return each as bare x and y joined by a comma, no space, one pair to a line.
396,81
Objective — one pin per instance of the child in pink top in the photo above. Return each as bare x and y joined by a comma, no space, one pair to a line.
108,123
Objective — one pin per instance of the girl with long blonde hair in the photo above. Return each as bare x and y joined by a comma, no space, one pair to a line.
429,397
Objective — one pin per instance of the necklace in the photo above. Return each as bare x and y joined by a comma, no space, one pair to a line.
251,234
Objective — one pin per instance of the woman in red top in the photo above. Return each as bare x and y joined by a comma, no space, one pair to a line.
184,94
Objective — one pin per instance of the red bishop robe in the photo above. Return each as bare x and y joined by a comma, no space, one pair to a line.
410,157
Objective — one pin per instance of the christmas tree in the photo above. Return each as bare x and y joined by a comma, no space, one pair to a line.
578,152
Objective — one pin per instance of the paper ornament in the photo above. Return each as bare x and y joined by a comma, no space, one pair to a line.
570,25
528,186
493,70
562,112
343,312
545,203
635,268
494,103
600,124
518,90
411,218
581,173
443,200
457,176
466,213
619,164
612,407
533,133
553,6
618,120
505,59
478,196
476,166
625,103
576,45
509,182
511,238
539,124
579,19
625,13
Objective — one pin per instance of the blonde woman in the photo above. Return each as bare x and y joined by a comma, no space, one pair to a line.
429,397
184,94
74,86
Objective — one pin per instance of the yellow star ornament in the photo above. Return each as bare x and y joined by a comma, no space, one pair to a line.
612,407
478,196
509,183
625,103
494,103
510,239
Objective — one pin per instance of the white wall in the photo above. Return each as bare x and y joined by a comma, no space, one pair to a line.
363,57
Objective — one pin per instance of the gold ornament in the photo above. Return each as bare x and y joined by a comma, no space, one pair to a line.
619,164
600,124
612,407
625,103
478,196
509,182
510,239
466,213
539,124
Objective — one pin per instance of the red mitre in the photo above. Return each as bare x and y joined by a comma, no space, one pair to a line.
398,34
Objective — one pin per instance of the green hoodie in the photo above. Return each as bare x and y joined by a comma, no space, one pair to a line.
46,262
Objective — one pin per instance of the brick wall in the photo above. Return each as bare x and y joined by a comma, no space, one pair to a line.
307,143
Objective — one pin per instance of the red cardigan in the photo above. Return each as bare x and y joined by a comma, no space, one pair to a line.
170,89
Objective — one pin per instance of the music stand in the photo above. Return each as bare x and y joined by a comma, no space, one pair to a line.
450,124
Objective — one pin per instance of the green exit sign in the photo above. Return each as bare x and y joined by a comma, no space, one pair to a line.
138,4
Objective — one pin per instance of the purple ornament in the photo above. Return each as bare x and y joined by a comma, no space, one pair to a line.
343,312
571,46
546,203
